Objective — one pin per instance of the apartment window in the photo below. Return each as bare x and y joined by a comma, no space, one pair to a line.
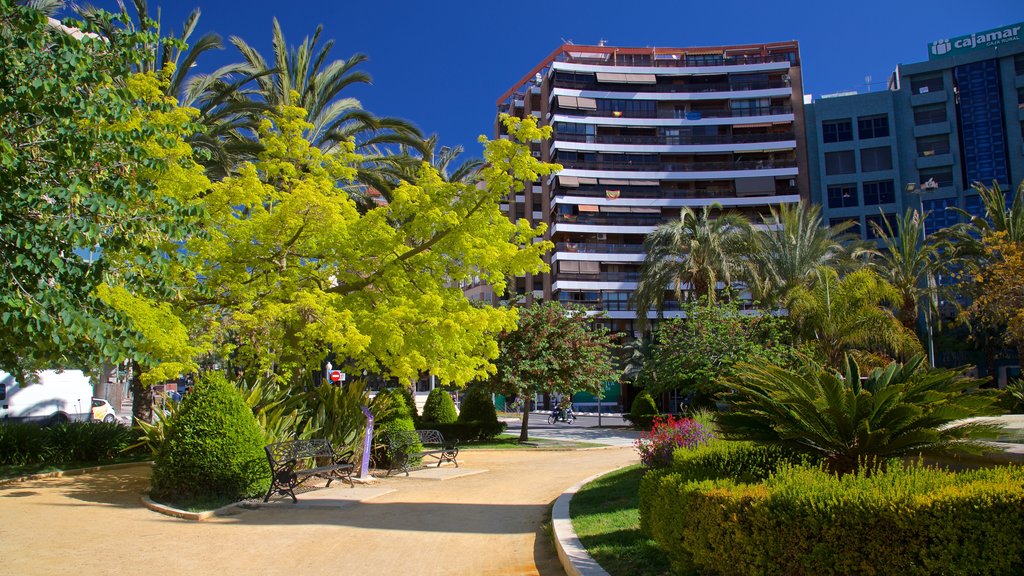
842,196
881,192
839,163
877,219
836,131
876,159
931,114
629,108
925,84
938,215
616,301
873,127
704,60
933,145
853,229
1018,64
973,205
942,176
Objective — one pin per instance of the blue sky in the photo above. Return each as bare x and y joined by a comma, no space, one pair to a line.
443,64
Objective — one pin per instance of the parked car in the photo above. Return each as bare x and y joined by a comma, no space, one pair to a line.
102,411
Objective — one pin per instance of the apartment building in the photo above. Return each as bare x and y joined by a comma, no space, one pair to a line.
642,132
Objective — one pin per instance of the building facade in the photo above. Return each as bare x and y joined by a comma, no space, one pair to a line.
640,133
943,124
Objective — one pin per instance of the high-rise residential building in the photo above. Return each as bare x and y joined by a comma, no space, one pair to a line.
942,124
642,132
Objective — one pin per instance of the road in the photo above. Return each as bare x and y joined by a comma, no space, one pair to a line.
613,431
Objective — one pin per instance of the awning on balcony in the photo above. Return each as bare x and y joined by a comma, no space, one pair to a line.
626,78
568,181
587,208
590,181
704,52
577,103
758,186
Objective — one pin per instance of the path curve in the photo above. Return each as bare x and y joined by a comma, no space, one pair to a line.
488,523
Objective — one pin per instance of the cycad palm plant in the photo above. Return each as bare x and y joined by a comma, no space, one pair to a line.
690,256
852,422
850,315
792,247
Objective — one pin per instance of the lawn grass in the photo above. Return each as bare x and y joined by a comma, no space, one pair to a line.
8,471
606,518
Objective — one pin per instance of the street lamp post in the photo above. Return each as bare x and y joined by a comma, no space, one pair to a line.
920,190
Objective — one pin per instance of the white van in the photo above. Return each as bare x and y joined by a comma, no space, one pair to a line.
58,397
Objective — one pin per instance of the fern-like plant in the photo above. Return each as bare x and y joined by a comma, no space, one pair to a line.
852,422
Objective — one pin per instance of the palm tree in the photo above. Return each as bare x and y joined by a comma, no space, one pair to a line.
226,112
850,315
404,165
909,264
852,422
690,256
790,250
1000,214
318,83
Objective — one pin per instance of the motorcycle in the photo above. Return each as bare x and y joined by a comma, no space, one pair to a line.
560,415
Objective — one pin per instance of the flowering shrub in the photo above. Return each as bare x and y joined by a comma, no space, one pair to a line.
668,433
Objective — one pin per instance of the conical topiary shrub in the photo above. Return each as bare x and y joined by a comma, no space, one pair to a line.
213,450
439,408
478,410
391,414
643,411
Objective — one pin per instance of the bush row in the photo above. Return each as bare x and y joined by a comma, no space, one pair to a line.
801,520
93,442
464,431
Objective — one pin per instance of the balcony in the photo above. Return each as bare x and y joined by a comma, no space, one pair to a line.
592,248
695,139
659,193
599,277
679,166
669,60
679,114
610,220
690,88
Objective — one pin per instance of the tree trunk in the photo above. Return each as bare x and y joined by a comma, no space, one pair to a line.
524,433
142,396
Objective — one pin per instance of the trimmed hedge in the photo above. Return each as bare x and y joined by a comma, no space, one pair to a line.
478,413
213,448
94,442
465,431
439,407
398,418
804,521
643,411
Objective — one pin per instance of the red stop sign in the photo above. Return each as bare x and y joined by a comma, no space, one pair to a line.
335,375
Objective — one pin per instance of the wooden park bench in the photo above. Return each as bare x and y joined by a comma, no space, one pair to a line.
433,444
295,461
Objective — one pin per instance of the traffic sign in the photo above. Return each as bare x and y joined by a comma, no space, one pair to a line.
336,375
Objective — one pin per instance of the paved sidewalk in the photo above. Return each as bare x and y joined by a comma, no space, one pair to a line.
486,523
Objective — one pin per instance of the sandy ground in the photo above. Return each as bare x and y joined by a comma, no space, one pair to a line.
488,523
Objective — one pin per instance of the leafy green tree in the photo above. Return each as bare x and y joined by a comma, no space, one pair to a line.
899,411
554,349
789,251
298,270
851,315
695,353
692,256
1000,300
99,189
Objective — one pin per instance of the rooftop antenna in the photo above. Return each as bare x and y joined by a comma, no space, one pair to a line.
867,82
569,41
601,42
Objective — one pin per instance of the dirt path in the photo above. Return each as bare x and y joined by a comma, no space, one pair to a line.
489,523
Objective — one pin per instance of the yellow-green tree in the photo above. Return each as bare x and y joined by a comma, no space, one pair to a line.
296,271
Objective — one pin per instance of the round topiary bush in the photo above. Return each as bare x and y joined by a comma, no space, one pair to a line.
643,411
213,450
478,412
439,408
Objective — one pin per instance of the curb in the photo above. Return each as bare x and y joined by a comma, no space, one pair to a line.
228,510
574,557
74,472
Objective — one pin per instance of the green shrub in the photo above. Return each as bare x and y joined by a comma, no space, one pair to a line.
439,408
410,401
478,412
643,411
391,414
805,521
213,449
86,442
22,444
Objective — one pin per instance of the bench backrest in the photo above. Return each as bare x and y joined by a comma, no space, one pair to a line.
430,437
405,438
299,450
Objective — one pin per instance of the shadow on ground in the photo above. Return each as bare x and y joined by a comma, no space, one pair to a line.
112,488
